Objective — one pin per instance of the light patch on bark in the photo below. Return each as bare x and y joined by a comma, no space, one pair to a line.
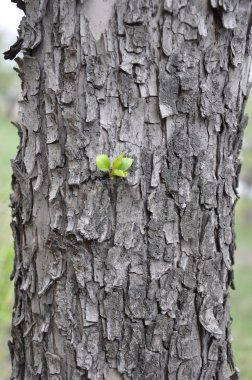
99,12
113,375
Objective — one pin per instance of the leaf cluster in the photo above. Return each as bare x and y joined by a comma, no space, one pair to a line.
117,168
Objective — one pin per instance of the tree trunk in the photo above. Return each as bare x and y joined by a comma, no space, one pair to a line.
127,279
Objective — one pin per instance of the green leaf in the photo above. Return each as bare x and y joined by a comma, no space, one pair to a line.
117,162
126,163
103,162
119,173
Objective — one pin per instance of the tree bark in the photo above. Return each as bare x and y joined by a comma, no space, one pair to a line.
127,279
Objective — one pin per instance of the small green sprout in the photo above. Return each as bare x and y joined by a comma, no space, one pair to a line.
119,166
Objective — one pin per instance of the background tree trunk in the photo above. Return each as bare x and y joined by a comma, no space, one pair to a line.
127,279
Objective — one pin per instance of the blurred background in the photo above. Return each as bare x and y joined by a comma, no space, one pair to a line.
241,297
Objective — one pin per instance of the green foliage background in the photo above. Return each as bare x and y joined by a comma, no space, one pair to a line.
241,298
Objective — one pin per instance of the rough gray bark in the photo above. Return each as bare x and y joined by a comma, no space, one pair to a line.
127,279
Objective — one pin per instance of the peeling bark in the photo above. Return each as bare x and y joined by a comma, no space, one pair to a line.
127,279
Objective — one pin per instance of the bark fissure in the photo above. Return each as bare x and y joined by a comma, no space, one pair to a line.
127,279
